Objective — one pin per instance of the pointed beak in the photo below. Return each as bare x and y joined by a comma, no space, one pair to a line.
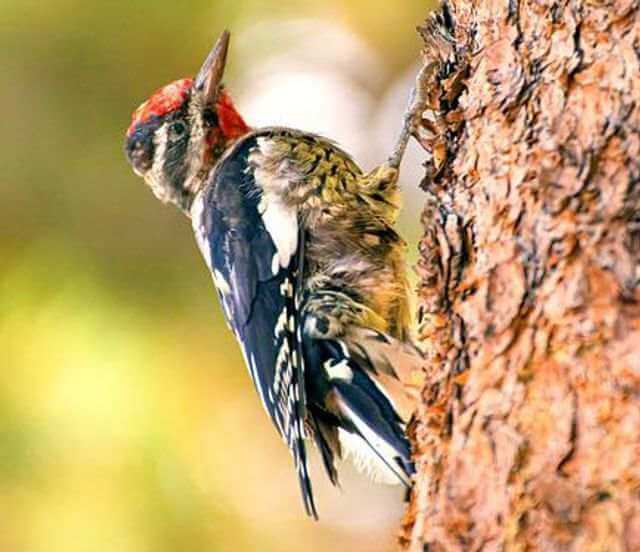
210,75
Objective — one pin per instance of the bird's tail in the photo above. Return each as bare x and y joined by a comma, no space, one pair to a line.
357,408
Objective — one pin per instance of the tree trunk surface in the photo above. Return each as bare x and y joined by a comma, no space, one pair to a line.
527,435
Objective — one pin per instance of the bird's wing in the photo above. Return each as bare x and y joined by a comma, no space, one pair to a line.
254,248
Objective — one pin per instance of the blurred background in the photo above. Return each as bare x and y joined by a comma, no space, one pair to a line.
127,420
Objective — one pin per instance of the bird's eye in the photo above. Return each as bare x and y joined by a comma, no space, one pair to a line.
177,129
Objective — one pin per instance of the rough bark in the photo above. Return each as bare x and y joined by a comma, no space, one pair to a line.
528,433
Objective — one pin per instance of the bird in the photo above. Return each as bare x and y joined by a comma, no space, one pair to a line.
308,268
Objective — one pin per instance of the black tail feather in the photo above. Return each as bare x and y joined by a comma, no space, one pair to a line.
360,407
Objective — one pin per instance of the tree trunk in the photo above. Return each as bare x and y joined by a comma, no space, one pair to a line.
528,431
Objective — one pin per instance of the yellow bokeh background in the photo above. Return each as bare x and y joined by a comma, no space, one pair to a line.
127,420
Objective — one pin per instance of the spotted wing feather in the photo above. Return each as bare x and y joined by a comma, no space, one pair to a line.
257,288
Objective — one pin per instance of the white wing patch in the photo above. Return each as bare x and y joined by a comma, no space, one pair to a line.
282,224
280,220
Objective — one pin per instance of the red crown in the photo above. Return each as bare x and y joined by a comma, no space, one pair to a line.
167,99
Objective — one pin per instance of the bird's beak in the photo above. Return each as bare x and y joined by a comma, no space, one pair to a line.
210,75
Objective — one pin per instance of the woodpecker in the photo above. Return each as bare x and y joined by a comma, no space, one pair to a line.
308,268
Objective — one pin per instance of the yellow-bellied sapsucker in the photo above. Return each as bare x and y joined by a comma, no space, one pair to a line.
309,270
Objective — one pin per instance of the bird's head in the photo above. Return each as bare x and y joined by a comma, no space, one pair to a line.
178,134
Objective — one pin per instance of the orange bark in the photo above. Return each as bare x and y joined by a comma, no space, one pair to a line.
528,433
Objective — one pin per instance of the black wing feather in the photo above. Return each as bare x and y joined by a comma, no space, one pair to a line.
241,254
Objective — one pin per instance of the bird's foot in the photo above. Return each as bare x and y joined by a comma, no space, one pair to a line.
412,115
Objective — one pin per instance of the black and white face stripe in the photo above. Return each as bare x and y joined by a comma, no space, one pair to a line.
159,150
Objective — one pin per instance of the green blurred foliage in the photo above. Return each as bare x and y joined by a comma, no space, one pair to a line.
127,421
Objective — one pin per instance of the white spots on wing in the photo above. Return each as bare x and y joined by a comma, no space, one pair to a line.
339,370
281,323
283,356
286,288
291,415
294,432
283,368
